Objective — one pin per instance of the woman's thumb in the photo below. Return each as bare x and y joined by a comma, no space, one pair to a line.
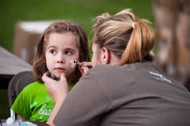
62,77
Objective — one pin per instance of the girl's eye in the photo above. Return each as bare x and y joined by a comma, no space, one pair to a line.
52,51
69,53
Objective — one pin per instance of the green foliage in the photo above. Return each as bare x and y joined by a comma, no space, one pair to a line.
80,11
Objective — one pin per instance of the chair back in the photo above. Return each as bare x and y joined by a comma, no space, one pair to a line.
17,83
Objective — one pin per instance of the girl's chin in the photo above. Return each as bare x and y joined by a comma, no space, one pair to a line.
55,76
58,76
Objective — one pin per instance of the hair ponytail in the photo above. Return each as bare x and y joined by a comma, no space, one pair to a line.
139,45
132,51
127,37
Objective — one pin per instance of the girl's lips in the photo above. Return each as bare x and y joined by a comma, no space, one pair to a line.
59,69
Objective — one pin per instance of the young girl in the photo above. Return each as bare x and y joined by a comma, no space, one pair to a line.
61,43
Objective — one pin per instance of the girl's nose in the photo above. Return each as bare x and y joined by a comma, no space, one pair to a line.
60,58
59,61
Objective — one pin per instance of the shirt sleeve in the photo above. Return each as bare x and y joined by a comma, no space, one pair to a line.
85,104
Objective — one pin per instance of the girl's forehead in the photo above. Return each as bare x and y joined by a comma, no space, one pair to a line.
62,33
65,39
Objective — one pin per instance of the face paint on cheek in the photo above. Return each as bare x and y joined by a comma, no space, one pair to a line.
73,63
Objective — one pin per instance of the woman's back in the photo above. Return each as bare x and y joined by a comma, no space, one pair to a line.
136,94
141,94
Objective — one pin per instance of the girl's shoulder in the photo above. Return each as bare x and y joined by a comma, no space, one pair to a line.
34,85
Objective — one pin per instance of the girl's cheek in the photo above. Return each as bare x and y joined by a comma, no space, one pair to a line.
73,63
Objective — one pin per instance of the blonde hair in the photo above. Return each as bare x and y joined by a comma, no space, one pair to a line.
129,38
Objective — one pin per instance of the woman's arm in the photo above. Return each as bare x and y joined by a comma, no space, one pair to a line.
84,105
54,112
84,67
58,90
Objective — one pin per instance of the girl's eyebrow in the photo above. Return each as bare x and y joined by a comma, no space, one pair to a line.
69,49
54,47
51,46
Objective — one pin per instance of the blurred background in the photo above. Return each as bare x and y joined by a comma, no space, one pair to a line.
81,11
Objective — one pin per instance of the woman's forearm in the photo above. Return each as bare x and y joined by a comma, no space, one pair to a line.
54,112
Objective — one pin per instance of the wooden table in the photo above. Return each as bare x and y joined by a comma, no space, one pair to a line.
9,66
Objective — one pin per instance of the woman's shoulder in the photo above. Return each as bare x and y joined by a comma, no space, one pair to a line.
128,69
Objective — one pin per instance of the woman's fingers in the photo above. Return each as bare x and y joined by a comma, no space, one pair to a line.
63,84
84,67
63,78
56,89
86,64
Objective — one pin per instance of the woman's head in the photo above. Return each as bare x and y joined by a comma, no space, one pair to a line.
128,38
61,42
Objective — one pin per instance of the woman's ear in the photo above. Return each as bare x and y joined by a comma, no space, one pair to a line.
105,56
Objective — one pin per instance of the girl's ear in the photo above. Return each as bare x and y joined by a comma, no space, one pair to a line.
105,56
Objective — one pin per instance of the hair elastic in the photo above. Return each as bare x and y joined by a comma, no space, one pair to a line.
133,24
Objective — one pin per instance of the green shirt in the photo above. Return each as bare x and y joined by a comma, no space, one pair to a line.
34,103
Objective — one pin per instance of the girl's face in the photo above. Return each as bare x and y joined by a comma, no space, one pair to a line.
60,50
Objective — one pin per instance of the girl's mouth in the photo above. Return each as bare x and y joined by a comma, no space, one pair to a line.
57,72
59,69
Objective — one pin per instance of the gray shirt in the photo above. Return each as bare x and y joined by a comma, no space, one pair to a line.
138,94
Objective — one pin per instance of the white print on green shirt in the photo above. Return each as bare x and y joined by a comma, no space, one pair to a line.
44,110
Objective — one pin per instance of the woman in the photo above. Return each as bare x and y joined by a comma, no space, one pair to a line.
124,88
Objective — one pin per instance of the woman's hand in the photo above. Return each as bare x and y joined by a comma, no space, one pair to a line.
57,89
84,67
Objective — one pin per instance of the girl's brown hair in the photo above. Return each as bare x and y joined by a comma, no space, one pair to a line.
39,66
129,38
